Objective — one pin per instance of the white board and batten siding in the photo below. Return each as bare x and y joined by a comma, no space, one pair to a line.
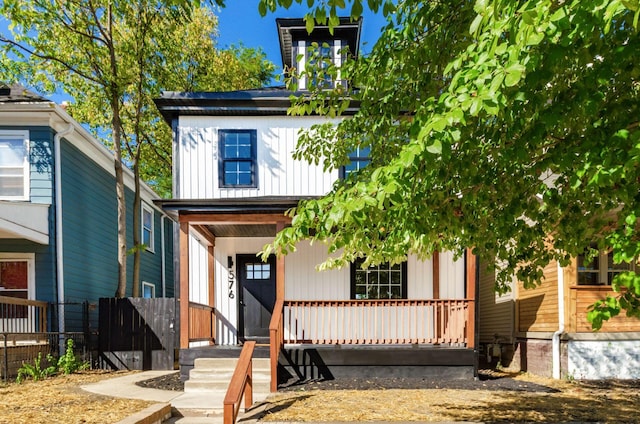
278,173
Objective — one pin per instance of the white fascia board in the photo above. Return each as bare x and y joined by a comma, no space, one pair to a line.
24,220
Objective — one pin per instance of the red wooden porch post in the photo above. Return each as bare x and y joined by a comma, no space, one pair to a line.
435,266
471,296
280,267
184,285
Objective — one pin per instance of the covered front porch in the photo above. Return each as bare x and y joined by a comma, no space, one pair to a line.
315,327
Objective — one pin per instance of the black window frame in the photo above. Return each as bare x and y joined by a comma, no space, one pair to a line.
222,160
357,265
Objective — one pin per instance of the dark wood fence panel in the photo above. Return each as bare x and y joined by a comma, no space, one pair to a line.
137,333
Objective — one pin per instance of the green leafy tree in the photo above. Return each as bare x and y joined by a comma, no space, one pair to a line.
506,126
165,55
112,57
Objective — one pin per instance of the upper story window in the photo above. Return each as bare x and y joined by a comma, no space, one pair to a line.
321,55
14,165
601,270
147,227
237,158
382,281
358,159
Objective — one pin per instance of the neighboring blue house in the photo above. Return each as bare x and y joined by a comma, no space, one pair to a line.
58,229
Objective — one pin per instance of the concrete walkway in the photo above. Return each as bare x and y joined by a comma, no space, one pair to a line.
125,387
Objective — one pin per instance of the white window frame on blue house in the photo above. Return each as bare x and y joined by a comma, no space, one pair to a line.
148,290
30,259
14,171
146,209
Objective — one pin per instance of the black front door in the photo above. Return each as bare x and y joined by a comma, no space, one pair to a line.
257,290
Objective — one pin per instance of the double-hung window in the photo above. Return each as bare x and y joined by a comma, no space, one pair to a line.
237,158
358,159
384,281
600,270
147,227
14,165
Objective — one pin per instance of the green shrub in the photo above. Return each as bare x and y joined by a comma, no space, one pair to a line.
69,363
35,370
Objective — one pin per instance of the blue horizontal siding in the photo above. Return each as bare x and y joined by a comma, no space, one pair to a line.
90,232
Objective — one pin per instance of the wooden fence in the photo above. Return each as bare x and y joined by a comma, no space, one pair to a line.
137,333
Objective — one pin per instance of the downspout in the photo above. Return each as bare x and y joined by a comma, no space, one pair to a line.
163,275
555,340
57,139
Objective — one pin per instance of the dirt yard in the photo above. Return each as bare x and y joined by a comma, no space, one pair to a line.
496,398
60,400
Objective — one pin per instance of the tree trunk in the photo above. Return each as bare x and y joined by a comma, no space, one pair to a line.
120,196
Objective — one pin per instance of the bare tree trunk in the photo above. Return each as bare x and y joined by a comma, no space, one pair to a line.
120,196
114,96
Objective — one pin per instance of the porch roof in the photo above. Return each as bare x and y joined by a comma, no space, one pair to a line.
24,220
243,217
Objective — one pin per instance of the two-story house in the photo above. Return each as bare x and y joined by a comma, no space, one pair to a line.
58,229
234,178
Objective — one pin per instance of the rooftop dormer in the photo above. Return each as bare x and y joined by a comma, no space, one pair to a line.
297,45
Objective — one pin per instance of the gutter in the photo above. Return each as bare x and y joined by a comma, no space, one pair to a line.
555,340
57,139
163,276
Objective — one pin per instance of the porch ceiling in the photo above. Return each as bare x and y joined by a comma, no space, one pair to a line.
235,230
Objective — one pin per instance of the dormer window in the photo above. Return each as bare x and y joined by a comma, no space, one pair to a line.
321,54
321,46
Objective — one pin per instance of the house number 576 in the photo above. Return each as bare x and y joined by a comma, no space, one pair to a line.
231,279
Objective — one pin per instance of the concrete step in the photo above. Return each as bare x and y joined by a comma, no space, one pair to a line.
228,363
194,420
217,375
221,385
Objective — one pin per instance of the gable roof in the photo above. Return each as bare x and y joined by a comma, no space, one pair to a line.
18,93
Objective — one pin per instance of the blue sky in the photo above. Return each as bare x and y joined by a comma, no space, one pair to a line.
240,22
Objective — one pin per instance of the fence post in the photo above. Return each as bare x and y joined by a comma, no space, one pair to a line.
6,358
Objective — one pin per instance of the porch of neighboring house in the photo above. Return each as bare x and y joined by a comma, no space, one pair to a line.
23,327
314,339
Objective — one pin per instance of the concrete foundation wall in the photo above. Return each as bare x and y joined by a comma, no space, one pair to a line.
604,359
